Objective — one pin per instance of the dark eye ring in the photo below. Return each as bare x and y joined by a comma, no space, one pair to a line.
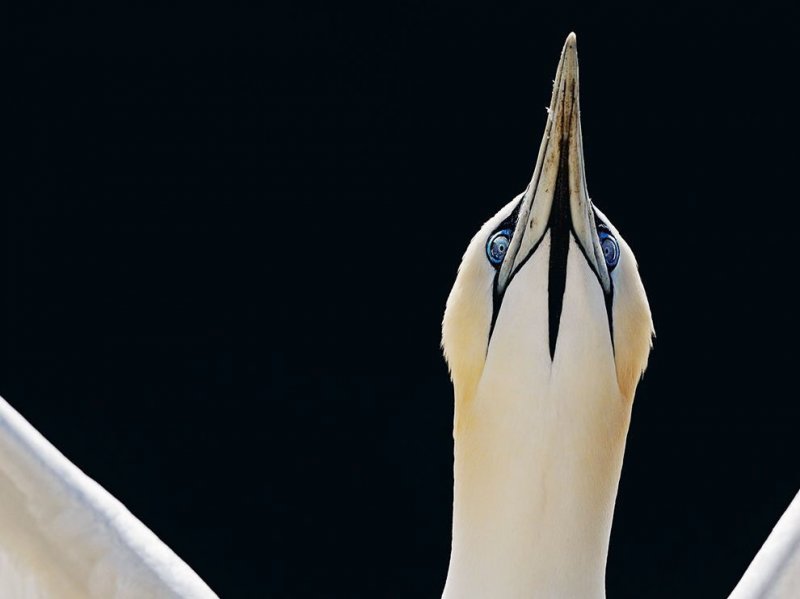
497,246
610,247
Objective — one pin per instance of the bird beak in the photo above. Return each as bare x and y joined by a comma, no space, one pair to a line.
556,199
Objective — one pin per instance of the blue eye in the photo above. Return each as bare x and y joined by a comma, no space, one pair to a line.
610,248
497,246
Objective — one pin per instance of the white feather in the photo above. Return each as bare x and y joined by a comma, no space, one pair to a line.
62,535
775,571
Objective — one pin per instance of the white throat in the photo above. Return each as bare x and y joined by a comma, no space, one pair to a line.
538,451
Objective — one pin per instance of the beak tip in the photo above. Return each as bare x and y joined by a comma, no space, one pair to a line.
569,54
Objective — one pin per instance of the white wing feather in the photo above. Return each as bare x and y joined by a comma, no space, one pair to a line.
775,571
63,535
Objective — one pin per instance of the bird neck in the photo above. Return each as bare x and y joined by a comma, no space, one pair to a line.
535,484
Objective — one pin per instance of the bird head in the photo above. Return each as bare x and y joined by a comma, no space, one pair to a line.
548,294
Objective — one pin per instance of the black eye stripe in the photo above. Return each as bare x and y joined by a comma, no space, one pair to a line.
510,223
602,226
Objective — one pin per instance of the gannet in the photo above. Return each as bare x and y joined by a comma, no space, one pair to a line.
546,332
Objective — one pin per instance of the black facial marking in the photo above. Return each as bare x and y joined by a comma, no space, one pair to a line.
602,226
560,225
510,222
561,229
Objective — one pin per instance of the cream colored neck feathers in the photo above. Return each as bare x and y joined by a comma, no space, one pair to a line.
540,432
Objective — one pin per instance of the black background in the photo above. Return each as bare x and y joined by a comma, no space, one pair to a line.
230,234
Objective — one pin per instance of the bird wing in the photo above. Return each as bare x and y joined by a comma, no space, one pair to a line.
775,571
63,535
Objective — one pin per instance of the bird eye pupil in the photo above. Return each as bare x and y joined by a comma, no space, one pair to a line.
497,246
610,249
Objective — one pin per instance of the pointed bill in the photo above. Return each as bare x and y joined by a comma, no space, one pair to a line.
557,197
